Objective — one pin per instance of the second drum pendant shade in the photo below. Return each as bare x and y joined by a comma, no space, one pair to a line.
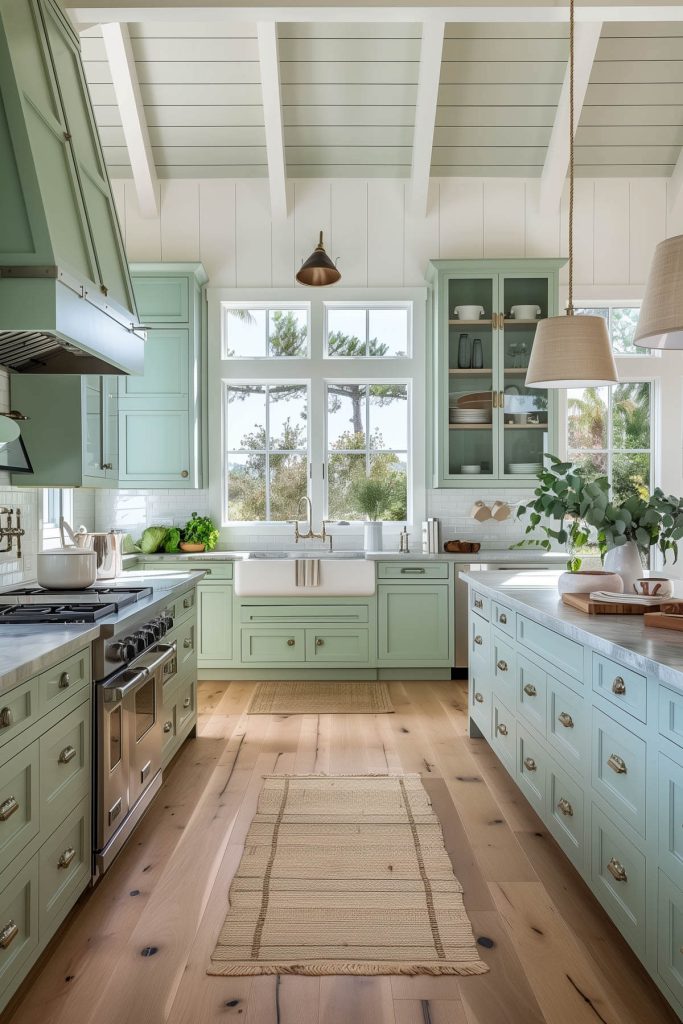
660,324
318,270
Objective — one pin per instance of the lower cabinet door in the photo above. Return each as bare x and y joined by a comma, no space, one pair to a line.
532,770
531,693
670,935
504,667
504,734
214,625
568,723
64,767
338,645
64,868
19,803
185,705
670,790
18,923
565,814
618,769
618,878
480,697
273,645
415,627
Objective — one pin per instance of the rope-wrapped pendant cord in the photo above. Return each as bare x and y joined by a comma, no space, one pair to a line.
570,304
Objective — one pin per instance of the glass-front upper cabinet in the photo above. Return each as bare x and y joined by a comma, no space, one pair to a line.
488,424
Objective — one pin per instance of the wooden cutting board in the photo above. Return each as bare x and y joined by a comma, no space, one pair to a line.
584,604
663,621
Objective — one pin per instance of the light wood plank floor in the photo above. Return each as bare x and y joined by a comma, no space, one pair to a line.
135,951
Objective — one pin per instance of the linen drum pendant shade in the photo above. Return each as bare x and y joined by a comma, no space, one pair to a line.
660,324
318,270
571,351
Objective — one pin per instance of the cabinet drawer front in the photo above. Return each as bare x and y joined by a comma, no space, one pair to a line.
412,571
480,695
185,705
186,646
531,693
169,723
618,769
64,867
162,300
618,875
214,570
532,770
503,618
267,645
18,709
480,604
565,813
63,680
567,726
504,734
480,639
303,614
670,791
558,649
19,802
18,918
337,645
504,667
64,766
670,704
670,935
621,686
183,609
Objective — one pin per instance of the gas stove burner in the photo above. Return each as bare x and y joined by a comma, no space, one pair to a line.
113,597
66,613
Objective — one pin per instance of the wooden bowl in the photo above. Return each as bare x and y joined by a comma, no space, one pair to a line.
190,547
461,547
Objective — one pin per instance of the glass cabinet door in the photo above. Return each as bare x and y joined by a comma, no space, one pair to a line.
524,411
472,364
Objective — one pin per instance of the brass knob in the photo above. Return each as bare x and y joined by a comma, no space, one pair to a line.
502,665
64,681
478,640
66,857
530,690
566,808
187,642
319,641
617,764
291,642
618,685
8,808
530,764
566,720
8,934
6,718
502,729
66,755
184,474
168,726
617,870
106,465
503,618
479,697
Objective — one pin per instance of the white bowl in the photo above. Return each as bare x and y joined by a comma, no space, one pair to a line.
470,469
586,581
468,312
66,569
525,312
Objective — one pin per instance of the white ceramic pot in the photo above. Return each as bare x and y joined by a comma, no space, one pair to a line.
372,536
525,312
66,569
626,561
586,581
469,312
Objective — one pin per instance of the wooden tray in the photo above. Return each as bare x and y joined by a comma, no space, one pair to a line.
584,604
663,621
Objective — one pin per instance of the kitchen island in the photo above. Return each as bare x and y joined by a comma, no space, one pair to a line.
586,715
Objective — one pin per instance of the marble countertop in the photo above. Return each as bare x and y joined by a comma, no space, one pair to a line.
495,555
26,650
655,652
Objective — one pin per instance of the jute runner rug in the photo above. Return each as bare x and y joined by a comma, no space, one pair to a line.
345,875
329,697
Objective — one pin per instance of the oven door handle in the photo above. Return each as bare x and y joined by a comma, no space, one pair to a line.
113,693
164,653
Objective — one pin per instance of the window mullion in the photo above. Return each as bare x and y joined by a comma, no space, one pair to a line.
267,446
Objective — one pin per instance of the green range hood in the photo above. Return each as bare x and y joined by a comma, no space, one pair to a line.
66,298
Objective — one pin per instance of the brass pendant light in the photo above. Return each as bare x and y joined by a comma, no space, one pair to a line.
660,324
571,351
318,270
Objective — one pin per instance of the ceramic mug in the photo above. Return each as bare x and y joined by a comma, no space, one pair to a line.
654,586
468,312
480,512
500,510
525,312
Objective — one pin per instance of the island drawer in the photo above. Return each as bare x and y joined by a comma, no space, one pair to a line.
531,693
618,769
18,709
480,604
412,570
670,789
282,614
480,697
18,920
670,708
504,734
480,639
670,935
620,686
64,867
503,618
532,770
19,804
185,704
504,667
565,814
63,680
568,723
552,646
64,766
618,877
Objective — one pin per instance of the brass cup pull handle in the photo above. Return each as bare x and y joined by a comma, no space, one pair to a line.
66,755
6,718
187,643
494,399
502,729
8,807
617,870
503,618
566,720
479,697
66,857
478,603
502,665
618,685
187,702
530,764
64,681
106,465
530,690
565,807
291,642
8,934
319,641
478,640
617,764
168,726
187,603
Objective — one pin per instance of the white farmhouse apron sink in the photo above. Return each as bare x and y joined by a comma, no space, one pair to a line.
276,577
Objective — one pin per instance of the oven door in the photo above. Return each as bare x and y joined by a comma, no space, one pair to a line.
142,708
113,760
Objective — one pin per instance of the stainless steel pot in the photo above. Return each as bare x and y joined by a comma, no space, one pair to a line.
66,569
106,545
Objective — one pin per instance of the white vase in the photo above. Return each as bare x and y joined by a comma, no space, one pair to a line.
626,562
372,536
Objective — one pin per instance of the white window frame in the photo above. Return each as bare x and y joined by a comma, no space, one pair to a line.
316,367
268,307
642,353
63,496
367,306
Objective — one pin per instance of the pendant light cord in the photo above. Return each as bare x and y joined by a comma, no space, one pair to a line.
570,304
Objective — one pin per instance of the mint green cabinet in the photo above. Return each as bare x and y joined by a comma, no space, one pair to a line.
72,429
160,411
487,422
215,625
414,624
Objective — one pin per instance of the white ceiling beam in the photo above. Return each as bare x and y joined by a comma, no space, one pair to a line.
554,173
269,61
505,12
674,190
124,78
429,74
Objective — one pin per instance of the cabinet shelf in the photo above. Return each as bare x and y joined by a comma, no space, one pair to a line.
526,426
470,323
486,371
470,426
520,323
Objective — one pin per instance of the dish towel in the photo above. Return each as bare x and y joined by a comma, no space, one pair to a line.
307,572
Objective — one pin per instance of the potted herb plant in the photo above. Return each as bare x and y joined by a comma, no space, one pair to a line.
199,534
369,497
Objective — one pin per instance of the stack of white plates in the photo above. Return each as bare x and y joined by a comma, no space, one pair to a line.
469,415
524,468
